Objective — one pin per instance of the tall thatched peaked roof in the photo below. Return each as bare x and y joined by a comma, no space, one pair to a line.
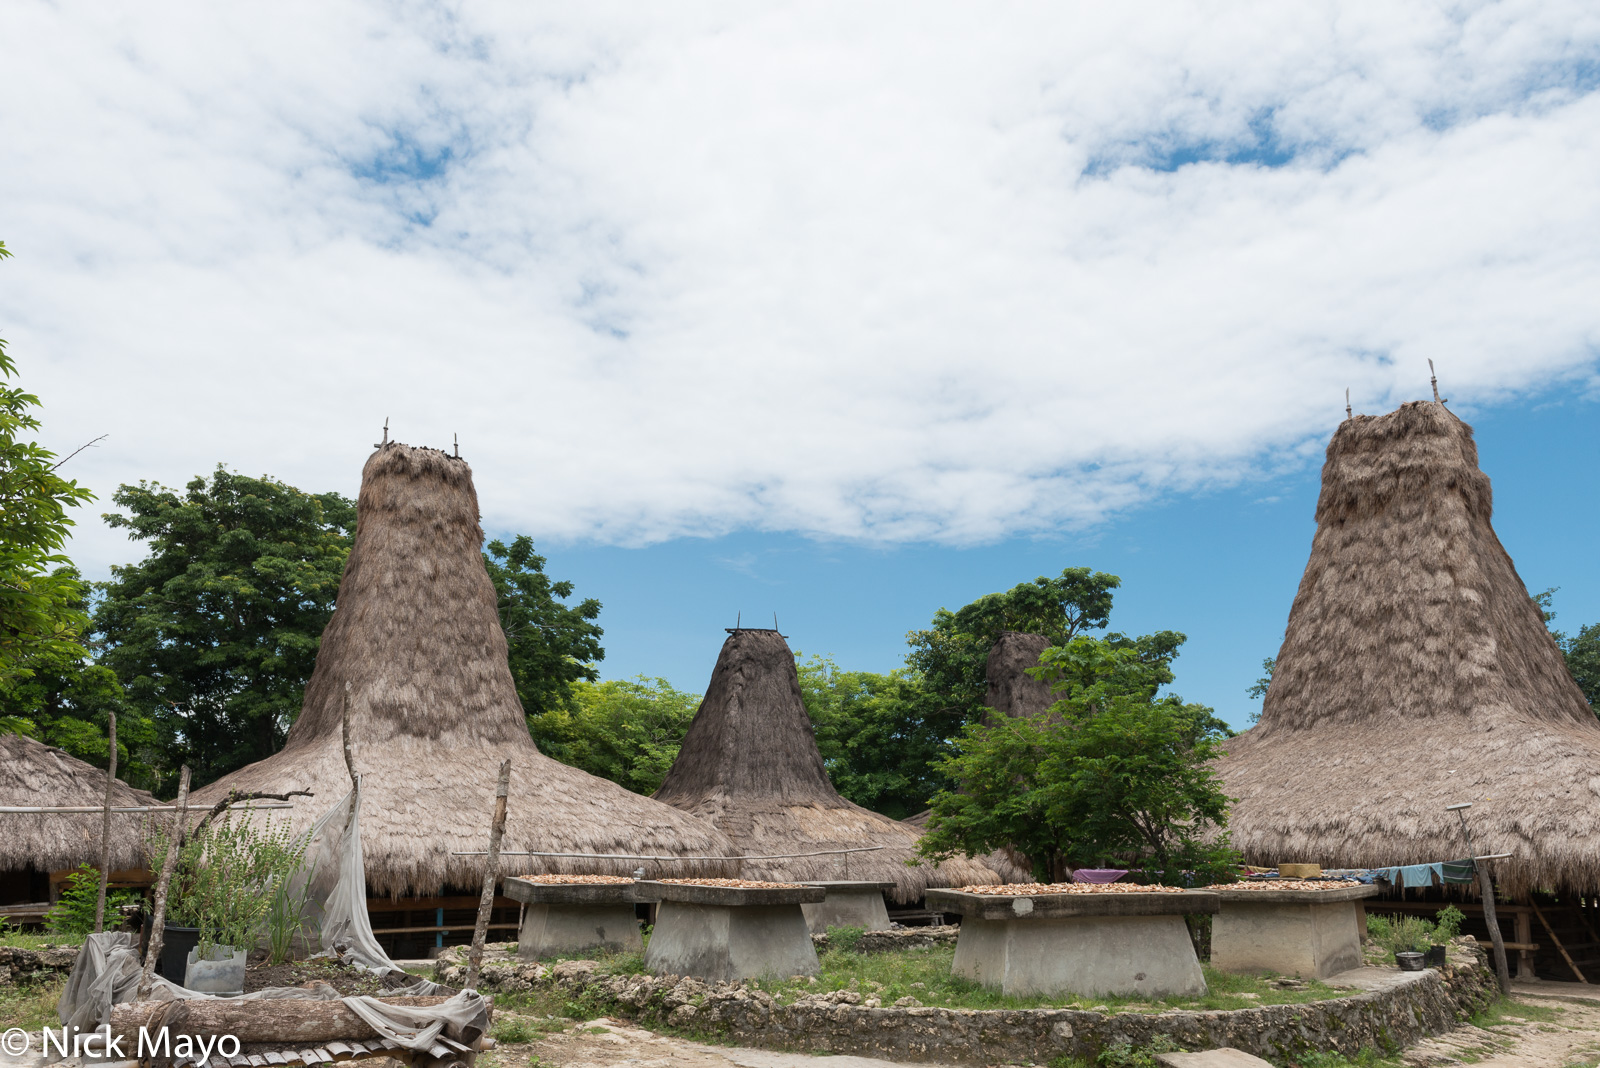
750,765
416,638
1012,691
1416,672
32,773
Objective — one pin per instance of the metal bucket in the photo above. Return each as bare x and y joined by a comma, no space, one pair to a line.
1409,962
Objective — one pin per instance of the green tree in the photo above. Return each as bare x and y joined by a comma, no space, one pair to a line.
1581,651
553,646
626,731
214,634
41,611
65,699
876,736
1113,776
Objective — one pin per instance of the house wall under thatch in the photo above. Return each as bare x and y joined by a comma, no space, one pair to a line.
1415,673
35,845
416,646
749,765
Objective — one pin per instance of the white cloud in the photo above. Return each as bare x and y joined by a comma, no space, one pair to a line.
896,271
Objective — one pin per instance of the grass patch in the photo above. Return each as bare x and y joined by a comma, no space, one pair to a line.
1495,1014
1367,1058
925,976
17,938
31,1006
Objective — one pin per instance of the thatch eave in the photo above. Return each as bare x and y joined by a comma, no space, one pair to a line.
35,774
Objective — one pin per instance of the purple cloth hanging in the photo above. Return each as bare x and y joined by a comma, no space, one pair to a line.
1099,875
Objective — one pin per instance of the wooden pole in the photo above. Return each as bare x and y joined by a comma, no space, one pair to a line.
1552,931
1501,970
105,833
158,917
491,874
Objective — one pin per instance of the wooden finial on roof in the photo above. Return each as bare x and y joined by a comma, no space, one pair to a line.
1433,380
456,439
385,441
1347,402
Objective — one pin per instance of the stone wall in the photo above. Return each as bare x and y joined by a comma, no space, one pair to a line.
898,938
19,966
841,1022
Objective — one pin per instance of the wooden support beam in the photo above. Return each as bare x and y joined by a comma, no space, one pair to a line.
1564,954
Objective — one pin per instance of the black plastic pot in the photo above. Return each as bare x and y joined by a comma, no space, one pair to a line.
176,942
1409,961
1433,957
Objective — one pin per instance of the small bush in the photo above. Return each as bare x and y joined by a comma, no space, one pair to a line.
73,914
845,938
514,1030
1124,1055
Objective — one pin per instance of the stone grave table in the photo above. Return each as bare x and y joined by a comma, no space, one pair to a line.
1309,933
725,933
1096,943
563,919
848,904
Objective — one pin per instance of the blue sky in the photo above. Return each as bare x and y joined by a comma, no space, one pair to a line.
844,311
1222,567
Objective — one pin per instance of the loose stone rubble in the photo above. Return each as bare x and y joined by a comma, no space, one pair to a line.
898,938
846,1021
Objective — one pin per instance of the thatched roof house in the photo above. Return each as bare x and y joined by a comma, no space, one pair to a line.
417,644
750,765
35,774
1012,691
1416,672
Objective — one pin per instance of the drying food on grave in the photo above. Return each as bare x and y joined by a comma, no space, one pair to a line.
1285,884
737,884
577,880
1040,889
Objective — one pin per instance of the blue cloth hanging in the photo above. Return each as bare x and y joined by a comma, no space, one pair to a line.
1413,875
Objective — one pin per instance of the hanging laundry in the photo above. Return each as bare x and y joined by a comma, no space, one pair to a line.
1099,875
1414,875
1459,871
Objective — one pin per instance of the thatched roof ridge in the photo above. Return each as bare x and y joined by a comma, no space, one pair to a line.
33,773
1416,672
416,640
1012,691
749,764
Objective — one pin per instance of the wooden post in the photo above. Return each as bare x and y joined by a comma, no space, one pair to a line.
1552,931
1524,929
491,874
158,916
105,833
1501,970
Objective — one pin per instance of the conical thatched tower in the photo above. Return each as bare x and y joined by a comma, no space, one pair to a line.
33,845
416,641
1415,673
1012,691
750,765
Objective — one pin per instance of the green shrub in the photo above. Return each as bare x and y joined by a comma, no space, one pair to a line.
73,914
845,938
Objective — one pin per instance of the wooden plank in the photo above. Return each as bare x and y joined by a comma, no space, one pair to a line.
1566,956
456,927
1511,945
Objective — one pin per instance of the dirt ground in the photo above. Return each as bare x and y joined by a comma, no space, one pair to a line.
1561,1030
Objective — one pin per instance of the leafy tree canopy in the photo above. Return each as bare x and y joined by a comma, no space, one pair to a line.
214,634
876,736
553,645
625,731
1114,776
1581,651
41,613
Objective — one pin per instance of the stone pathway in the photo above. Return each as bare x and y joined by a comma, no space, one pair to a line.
1561,1030
608,1043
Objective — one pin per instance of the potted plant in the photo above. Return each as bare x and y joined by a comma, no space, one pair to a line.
233,885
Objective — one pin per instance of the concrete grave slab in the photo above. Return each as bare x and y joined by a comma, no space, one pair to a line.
1309,933
563,919
848,904
1134,944
719,933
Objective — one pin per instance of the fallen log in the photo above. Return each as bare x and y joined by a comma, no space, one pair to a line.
279,1021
